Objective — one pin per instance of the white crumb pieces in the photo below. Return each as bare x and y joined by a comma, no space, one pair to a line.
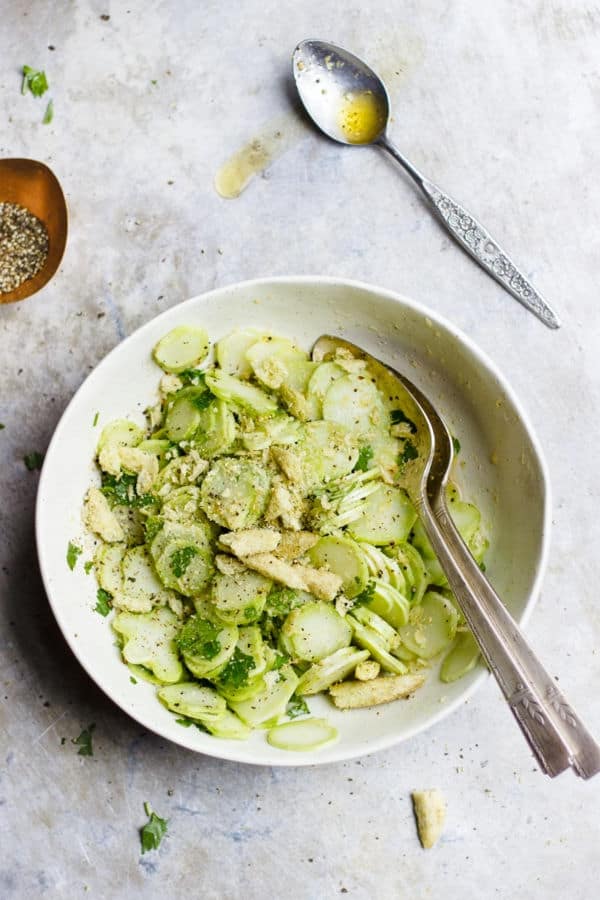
430,812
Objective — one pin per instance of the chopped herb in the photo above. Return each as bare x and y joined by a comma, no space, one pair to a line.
280,660
33,460
132,679
187,723
95,422
180,560
282,600
203,401
85,741
482,566
456,445
103,604
153,81
193,376
73,553
364,458
199,637
236,672
409,452
398,418
153,831
88,566
34,81
121,491
2,425
297,707
49,114
365,596
152,527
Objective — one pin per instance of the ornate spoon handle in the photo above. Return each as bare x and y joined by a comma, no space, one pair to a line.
556,734
478,242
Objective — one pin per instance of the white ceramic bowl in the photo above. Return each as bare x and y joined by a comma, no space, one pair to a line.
478,405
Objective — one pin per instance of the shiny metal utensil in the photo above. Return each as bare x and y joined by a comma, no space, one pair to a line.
349,103
33,185
557,736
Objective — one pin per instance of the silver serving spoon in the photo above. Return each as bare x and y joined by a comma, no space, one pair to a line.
349,103
555,733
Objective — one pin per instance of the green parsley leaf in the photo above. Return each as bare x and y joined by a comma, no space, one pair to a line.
456,445
103,605
95,422
49,114
153,831
2,425
199,637
33,460
365,596
194,377
132,679
73,553
34,81
236,672
152,527
121,491
282,600
297,706
187,723
85,741
179,560
408,452
364,458
280,660
88,566
397,417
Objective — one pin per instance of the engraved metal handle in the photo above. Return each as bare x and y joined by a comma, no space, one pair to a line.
477,242
556,735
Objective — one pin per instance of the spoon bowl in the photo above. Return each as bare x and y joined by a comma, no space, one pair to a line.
349,103
341,94
34,186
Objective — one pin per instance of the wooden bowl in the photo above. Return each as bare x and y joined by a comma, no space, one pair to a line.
35,186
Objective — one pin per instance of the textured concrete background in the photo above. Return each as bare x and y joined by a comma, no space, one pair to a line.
499,102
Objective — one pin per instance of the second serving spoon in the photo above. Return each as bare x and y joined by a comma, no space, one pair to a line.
349,103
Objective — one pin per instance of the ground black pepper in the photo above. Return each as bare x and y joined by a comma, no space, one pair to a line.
23,246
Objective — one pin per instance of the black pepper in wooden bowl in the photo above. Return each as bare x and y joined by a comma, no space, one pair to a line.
23,246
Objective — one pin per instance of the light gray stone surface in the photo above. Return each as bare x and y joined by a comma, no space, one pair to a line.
498,101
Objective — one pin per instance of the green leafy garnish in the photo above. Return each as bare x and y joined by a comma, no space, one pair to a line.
456,445
2,425
103,602
34,81
95,422
364,458
203,401
397,417
187,723
152,527
33,460
192,376
236,672
49,114
281,601
409,451
297,707
365,596
85,741
180,560
121,491
132,679
280,660
73,553
199,637
153,831
88,566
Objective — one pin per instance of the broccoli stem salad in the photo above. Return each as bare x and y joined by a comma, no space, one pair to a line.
258,548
